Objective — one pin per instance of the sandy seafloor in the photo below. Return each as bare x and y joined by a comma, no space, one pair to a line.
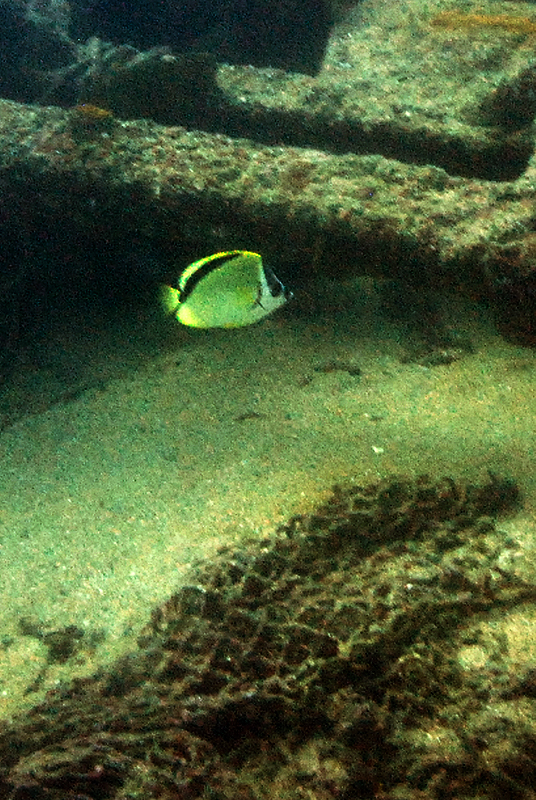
184,440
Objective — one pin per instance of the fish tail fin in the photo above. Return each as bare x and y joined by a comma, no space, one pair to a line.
169,299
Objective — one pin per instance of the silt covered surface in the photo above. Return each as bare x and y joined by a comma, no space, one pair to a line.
351,654
409,156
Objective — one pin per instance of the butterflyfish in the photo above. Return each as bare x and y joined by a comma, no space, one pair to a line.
225,290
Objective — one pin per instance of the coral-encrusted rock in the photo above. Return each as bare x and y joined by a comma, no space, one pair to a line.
313,663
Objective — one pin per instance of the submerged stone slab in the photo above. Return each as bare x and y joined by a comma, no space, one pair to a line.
421,86
369,214
413,82
409,156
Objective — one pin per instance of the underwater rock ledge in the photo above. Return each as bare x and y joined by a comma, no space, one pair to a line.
96,183
324,659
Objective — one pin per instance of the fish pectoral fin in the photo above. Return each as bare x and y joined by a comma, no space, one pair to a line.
258,299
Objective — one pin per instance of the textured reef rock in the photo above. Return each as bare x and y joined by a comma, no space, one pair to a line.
328,660
97,184
408,154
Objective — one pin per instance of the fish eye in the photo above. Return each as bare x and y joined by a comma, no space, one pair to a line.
277,288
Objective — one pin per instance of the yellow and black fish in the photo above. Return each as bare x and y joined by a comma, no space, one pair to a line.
225,290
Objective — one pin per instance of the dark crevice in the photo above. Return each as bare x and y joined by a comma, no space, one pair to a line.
288,34
500,160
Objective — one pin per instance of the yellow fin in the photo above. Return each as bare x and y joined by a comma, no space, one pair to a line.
169,299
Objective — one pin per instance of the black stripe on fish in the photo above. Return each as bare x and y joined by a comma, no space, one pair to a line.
197,276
